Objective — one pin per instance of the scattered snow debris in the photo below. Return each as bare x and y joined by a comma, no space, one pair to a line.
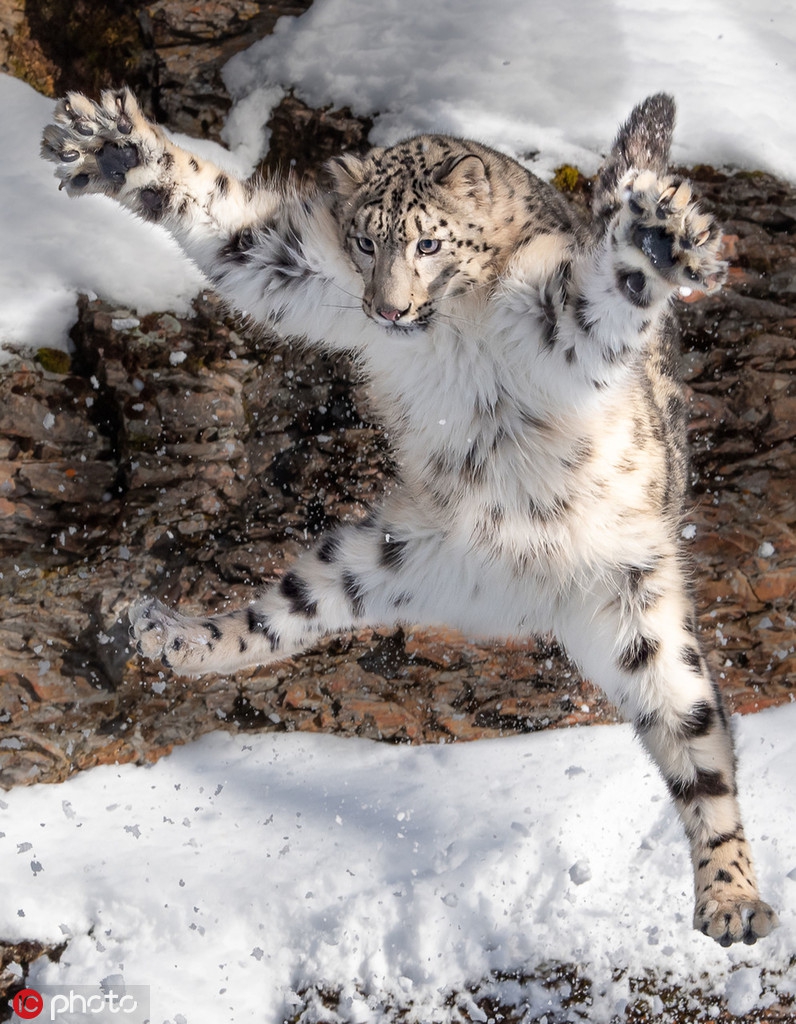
743,991
24,847
66,807
125,323
35,867
486,861
175,358
765,623
49,421
463,846
688,532
766,549
580,871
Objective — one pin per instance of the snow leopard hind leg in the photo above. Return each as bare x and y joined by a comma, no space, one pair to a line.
641,647
372,573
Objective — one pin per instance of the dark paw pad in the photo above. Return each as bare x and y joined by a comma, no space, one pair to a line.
153,200
656,245
115,161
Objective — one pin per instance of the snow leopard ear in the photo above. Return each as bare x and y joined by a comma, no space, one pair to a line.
345,173
465,175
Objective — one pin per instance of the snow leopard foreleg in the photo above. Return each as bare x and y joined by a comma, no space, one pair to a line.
109,147
266,248
641,646
598,309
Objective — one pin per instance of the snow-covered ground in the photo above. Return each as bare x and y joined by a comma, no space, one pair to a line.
243,870
240,871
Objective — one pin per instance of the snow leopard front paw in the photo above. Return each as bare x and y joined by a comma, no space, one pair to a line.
175,640
664,241
96,145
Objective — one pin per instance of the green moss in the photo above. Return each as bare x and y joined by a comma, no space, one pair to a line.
566,178
54,360
751,175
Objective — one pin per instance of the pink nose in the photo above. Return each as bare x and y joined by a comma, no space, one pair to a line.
393,314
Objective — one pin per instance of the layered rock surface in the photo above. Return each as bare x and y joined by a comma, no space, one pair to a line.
179,456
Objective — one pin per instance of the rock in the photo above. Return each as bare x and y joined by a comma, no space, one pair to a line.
170,51
177,456
197,478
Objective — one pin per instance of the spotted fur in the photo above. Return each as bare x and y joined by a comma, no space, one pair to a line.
524,364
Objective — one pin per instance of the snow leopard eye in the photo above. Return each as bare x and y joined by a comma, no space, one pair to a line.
365,245
428,246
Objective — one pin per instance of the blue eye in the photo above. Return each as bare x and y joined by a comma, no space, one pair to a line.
365,245
428,246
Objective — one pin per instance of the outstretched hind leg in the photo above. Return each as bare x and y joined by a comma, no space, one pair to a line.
322,593
359,575
642,650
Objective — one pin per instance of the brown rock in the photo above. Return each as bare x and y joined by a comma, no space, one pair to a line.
201,480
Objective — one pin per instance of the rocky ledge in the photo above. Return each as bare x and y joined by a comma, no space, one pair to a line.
178,455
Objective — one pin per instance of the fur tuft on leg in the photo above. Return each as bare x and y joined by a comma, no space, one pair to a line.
642,144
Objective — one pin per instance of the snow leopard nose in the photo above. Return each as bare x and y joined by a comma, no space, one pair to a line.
393,314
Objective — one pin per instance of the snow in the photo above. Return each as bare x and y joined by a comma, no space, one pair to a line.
547,82
553,76
243,870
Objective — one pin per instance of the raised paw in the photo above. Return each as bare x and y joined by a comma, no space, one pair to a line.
96,145
666,241
735,920
175,640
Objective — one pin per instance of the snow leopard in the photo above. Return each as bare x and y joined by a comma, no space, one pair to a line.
522,359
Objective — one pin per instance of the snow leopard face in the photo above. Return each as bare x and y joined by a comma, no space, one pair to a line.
421,223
